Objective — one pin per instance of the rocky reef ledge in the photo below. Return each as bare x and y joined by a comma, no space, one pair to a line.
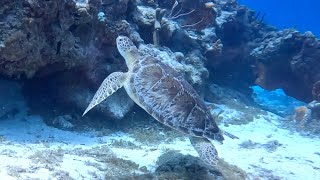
220,41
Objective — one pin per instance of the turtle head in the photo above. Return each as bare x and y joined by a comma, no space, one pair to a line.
127,49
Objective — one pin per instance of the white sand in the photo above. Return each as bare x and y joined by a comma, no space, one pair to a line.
23,136
294,159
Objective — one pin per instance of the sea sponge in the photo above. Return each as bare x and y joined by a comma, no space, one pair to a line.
300,113
302,116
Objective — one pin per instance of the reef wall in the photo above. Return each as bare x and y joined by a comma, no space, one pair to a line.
52,43
289,60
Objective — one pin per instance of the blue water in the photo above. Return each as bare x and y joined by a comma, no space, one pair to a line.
304,15
276,101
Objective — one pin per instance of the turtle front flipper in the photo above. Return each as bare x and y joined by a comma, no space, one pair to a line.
205,149
110,85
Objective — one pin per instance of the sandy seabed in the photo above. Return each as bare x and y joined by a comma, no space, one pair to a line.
31,149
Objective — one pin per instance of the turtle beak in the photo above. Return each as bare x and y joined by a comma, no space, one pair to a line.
124,45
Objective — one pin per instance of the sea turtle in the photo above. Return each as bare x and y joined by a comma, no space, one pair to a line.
164,94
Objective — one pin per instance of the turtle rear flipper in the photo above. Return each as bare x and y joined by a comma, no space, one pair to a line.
110,85
205,149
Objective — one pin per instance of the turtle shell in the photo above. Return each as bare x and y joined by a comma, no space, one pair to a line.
170,99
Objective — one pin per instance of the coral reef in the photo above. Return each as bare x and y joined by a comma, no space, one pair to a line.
235,33
307,118
32,37
288,59
316,91
173,165
64,94
40,38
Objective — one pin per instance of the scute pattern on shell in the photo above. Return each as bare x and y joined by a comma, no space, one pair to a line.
170,99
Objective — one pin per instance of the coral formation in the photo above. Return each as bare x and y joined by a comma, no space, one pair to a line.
157,25
32,37
301,113
307,118
316,91
288,59
173,165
